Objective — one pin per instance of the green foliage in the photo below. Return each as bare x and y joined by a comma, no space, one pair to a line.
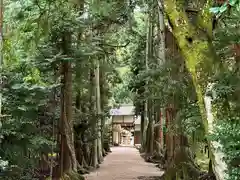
33,41
110,34
227,133
227,120
218,11
225,93
25,98
121,93
191,122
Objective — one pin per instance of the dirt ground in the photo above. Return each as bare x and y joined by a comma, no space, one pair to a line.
125,163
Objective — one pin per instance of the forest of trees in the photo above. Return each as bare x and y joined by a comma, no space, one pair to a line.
65,63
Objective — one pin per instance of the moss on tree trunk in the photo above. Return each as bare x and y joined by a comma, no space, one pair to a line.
196,47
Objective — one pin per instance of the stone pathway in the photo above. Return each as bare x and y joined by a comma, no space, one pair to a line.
125,163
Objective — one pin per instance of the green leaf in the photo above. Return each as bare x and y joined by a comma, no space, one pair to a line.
22,108
16,86
223,8
68,59
238,7
215,10
232,2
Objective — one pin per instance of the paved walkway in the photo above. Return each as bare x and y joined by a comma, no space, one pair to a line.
125,163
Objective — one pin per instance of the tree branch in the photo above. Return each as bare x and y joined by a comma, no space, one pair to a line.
115,46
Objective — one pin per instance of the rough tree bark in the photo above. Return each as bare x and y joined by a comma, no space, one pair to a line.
144,120
99,112
148,103
195,46
161,60
161,34
67,153
94,153
194,41
80,129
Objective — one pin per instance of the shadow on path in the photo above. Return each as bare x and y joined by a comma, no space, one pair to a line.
149,178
